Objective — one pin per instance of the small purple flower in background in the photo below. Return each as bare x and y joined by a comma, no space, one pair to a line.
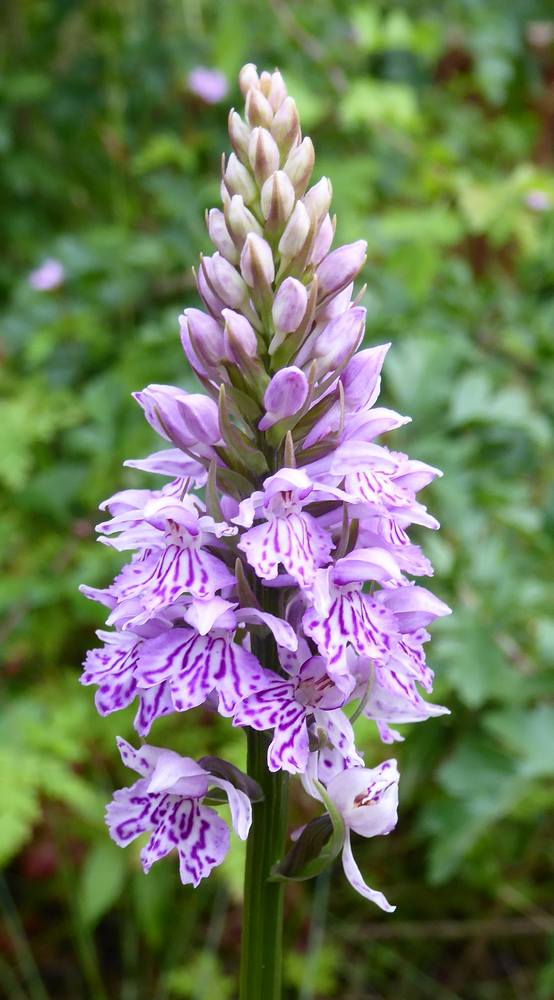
273,578
538,201
210,85
47,277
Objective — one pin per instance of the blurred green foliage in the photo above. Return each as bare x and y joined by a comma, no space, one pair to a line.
435,124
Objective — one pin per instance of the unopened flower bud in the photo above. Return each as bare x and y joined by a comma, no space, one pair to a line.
239,134
263,154
238,180
203,281
205,336
340,267
318,198
295,233
338,341
226,281
299,165
285,127
265,83
285,395
258,109
248,77
277,199
256,262
186,343
362,377
199,414
240,336
322,241
289,306
220,236
224,194
240,221
161,409
277,90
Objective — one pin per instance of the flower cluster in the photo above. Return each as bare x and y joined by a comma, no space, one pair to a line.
280,517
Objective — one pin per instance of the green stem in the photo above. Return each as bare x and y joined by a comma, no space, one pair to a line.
262,922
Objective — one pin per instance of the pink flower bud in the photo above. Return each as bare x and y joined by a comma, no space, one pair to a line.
285,127
161,409
289,306
285,395
318,198
205,336
199,414
361,377
203,281
238,180
277,90
239,134
248,77
258,109
240,221
296,232
338,341
322,241
190,354
220,236
240,336
340,267
265,83
256,262
263,154
226,281
224,194
277,199
299,165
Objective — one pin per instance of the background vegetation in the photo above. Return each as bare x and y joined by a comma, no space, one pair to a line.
436,124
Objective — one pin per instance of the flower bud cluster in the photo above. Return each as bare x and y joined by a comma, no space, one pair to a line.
281,515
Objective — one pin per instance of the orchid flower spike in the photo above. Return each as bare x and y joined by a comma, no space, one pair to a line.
272,577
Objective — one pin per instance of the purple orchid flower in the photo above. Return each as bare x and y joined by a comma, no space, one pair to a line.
166,802
293,707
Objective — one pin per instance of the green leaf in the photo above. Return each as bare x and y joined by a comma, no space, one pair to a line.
102,880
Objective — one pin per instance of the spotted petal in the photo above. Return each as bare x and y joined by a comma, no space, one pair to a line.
353,619
295,541
195,665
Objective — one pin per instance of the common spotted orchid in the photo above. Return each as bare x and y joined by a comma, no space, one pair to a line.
272,578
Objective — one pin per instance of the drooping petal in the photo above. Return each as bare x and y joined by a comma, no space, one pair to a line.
355,878
239,804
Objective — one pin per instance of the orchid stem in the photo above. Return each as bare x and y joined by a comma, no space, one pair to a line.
262,924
